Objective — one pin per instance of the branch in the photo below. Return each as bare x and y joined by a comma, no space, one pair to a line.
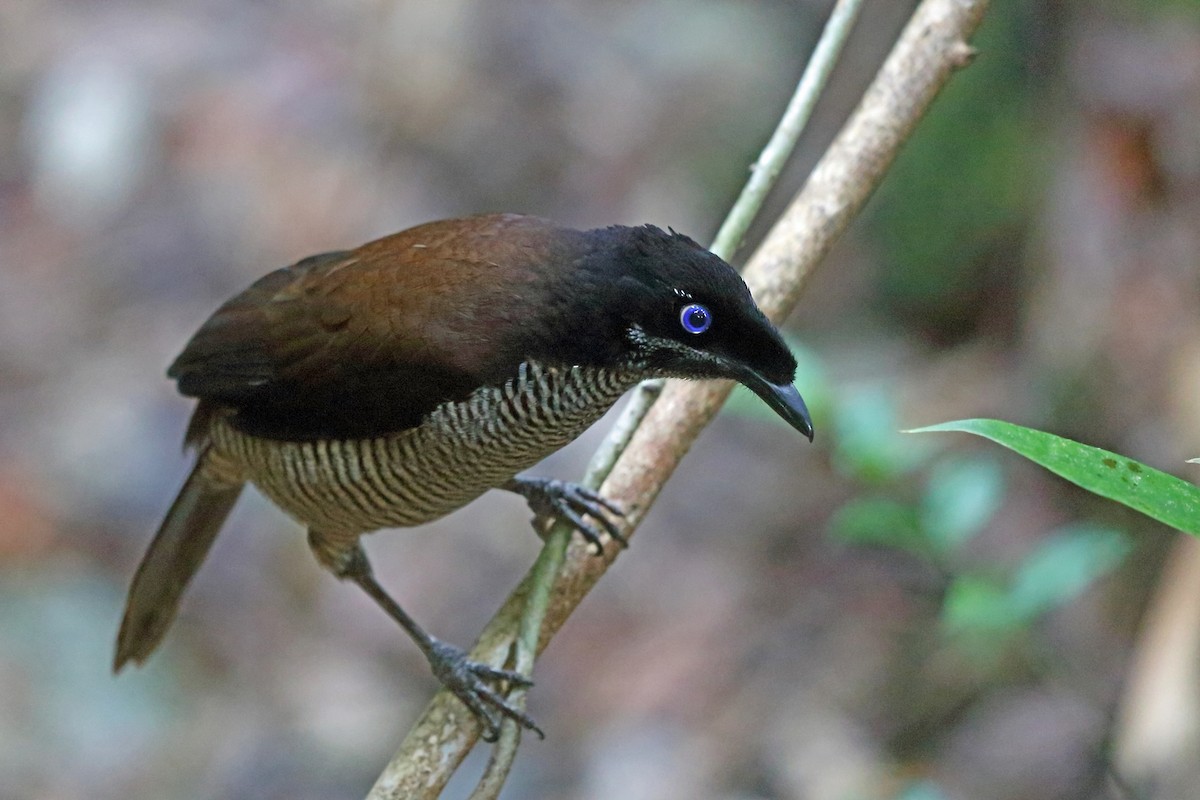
770,163
931,47
763,175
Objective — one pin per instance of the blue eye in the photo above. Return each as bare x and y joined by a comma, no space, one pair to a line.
695,318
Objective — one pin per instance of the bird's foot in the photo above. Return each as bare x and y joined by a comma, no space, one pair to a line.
572,502
470,681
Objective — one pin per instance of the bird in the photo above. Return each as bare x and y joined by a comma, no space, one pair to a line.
389,385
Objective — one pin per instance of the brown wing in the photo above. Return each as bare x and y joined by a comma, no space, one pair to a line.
369,341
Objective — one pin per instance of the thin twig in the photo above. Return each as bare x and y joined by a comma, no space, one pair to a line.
765,171
931,46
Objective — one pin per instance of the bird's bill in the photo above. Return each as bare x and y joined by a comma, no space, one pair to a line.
784,400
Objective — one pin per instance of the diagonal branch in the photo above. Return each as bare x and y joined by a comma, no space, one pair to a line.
763,174
931,47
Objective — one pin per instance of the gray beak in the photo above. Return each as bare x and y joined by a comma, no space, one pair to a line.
783,399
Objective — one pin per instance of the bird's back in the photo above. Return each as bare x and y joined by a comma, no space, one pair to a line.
369,341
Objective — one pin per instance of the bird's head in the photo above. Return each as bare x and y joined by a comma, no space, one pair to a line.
661,303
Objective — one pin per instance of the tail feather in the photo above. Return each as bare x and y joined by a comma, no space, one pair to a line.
178,550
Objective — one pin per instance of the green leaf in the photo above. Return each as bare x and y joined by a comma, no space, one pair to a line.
878,521
1063,566
1156,494
962,495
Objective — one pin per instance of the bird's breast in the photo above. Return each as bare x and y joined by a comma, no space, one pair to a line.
459,451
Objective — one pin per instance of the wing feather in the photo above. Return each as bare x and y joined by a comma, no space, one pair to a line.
359,343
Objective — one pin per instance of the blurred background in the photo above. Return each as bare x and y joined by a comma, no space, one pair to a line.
875,616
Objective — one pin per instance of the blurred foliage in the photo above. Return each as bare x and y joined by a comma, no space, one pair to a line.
1057,571
867,444
935,516
922,790
964,188
936,519
960,496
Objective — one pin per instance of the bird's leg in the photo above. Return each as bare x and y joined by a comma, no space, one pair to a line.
570,501
468,680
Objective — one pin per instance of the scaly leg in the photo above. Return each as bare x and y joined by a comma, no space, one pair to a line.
468,680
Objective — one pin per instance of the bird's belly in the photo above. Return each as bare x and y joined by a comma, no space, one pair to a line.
418,475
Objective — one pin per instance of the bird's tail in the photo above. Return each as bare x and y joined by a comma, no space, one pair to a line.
176,553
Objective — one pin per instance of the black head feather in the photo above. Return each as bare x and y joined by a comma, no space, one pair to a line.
621,303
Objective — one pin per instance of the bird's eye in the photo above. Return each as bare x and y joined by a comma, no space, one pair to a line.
695,318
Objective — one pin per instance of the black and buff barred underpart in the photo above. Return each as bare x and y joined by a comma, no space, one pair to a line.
343,488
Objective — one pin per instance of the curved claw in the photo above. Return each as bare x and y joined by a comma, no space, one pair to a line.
468,681
572,502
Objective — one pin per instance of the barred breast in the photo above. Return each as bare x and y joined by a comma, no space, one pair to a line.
345,488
